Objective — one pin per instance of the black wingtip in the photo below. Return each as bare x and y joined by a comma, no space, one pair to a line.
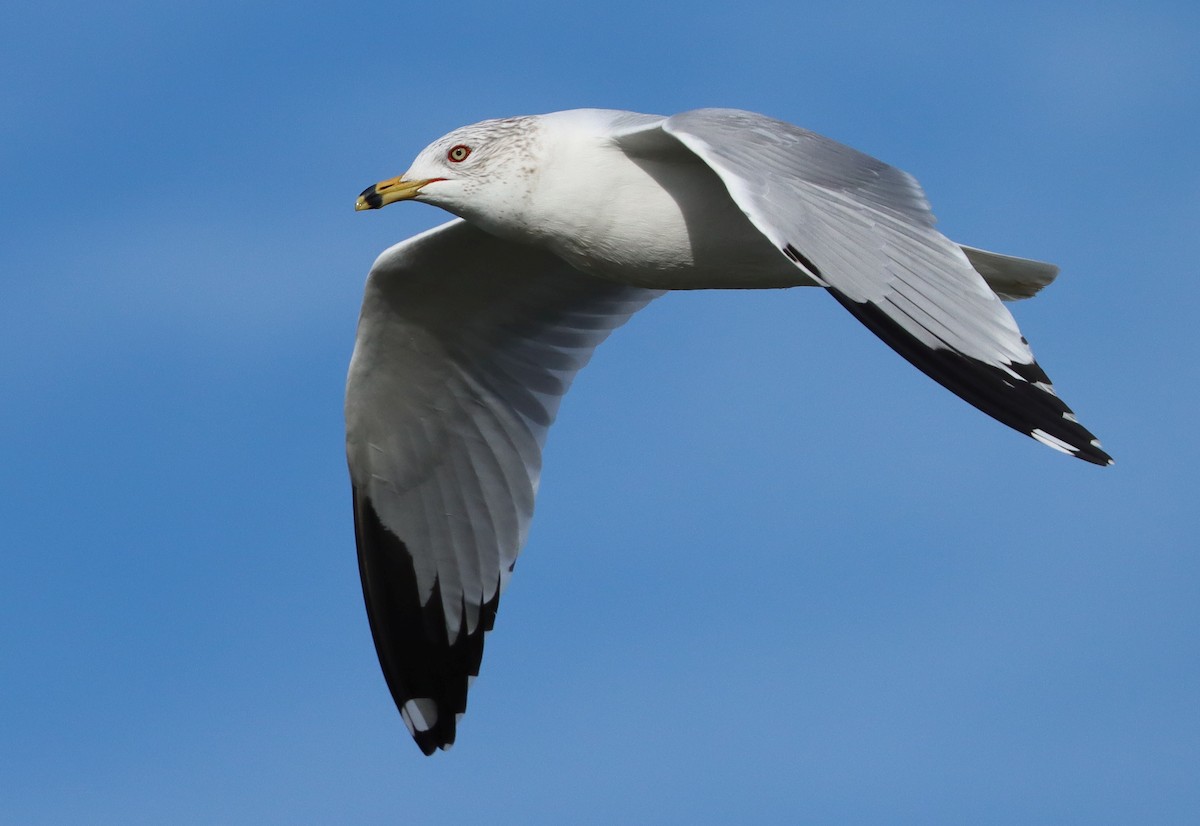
428,745
427,674
1025,402
1093,453
429,741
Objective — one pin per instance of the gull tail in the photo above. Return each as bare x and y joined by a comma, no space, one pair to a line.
1010,277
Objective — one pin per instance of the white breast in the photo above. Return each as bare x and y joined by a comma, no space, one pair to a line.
665,222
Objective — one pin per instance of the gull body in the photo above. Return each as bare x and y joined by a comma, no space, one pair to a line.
642,213
569,223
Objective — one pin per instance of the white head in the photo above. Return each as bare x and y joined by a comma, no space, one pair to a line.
483,172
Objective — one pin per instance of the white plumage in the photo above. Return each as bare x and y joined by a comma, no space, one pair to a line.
569,223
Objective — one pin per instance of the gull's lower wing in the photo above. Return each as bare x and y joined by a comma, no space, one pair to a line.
864,230
466,344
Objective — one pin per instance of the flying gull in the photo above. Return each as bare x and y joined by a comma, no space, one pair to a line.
569,223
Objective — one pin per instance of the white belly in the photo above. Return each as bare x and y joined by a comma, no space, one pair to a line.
664,224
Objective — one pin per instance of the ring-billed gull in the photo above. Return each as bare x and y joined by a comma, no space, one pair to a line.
568,224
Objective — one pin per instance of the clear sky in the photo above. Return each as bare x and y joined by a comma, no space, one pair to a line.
776,575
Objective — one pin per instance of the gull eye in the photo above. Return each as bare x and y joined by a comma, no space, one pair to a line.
459,153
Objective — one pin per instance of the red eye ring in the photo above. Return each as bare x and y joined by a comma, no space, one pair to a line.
458,153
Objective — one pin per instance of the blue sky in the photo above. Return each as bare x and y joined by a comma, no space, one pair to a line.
776,575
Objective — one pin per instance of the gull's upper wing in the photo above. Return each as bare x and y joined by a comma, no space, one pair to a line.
466,344
864,230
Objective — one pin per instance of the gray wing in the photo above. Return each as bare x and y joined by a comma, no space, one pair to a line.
466,344
864,230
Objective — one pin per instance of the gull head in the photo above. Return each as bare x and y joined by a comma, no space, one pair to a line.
481,172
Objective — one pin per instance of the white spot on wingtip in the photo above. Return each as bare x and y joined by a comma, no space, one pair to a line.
420,714
1070,417
1096,444
1050,441
1005,367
